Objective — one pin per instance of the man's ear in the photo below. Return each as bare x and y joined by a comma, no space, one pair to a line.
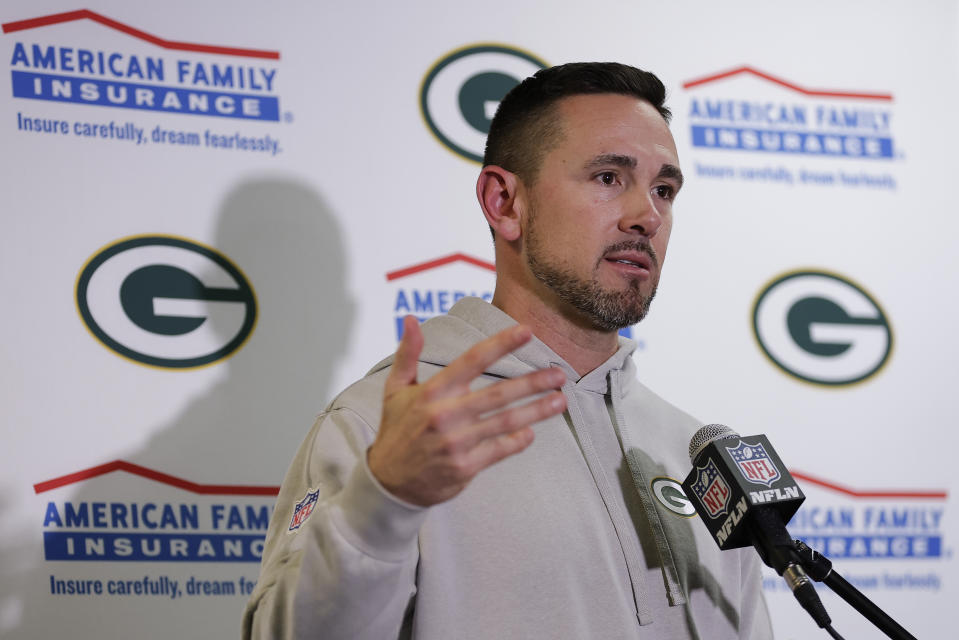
497,190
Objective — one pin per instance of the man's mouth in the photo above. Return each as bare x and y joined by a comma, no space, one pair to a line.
633,259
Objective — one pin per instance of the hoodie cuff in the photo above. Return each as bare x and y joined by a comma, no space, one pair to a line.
374,521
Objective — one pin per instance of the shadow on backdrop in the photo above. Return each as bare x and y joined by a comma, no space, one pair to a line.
242,430
290,248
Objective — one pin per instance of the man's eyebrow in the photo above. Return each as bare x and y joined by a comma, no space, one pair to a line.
672,171
617,159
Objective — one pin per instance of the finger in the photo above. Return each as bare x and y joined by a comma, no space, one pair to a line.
403,371
474,362
502,434
499,395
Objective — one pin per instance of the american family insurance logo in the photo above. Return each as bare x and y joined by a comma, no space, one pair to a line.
888,539
752,111
69,64
431,288
161,518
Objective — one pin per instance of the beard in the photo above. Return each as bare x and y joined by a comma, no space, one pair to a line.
605,309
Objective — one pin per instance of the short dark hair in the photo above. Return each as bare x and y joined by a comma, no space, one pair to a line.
526,126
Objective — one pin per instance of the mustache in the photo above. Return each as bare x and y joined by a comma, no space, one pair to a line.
642,246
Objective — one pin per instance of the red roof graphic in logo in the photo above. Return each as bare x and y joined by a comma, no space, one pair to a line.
439,262
933,494
250,490
820,93
86,14
156,476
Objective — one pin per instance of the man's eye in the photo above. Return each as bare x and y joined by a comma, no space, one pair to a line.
607,178
664,191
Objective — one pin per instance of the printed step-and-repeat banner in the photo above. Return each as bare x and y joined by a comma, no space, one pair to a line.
216,216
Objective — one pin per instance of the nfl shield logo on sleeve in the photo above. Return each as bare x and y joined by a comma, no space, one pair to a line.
303,509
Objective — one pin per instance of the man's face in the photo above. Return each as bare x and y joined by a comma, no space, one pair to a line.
600,212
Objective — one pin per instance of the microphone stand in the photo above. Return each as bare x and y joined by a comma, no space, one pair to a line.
819,568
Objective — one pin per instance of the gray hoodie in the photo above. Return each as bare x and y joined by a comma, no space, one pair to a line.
572,538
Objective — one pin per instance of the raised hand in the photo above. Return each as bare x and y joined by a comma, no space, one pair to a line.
436,436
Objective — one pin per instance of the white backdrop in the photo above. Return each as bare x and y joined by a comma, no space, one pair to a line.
214,215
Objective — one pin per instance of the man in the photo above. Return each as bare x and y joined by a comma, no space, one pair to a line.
496,477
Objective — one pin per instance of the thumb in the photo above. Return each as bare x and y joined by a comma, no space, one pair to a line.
403,371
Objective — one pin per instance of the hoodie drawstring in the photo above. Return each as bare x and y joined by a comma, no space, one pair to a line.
673,587
634,568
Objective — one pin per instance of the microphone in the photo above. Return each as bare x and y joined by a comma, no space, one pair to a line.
745,496
735,479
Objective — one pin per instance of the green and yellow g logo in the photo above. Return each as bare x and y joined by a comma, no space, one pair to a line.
461,91
670,494
166,302
821,328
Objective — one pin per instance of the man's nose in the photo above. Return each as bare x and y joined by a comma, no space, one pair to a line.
641,216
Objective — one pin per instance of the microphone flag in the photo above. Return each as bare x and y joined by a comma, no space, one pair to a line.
731,477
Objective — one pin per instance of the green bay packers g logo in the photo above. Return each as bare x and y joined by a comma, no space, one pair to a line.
670,494
461,92
822,328
166,302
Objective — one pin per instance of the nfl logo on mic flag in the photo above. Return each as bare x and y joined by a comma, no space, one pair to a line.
754,463
723,486
303,509
711,489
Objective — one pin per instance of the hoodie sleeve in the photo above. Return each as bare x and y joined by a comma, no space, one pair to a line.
347,568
